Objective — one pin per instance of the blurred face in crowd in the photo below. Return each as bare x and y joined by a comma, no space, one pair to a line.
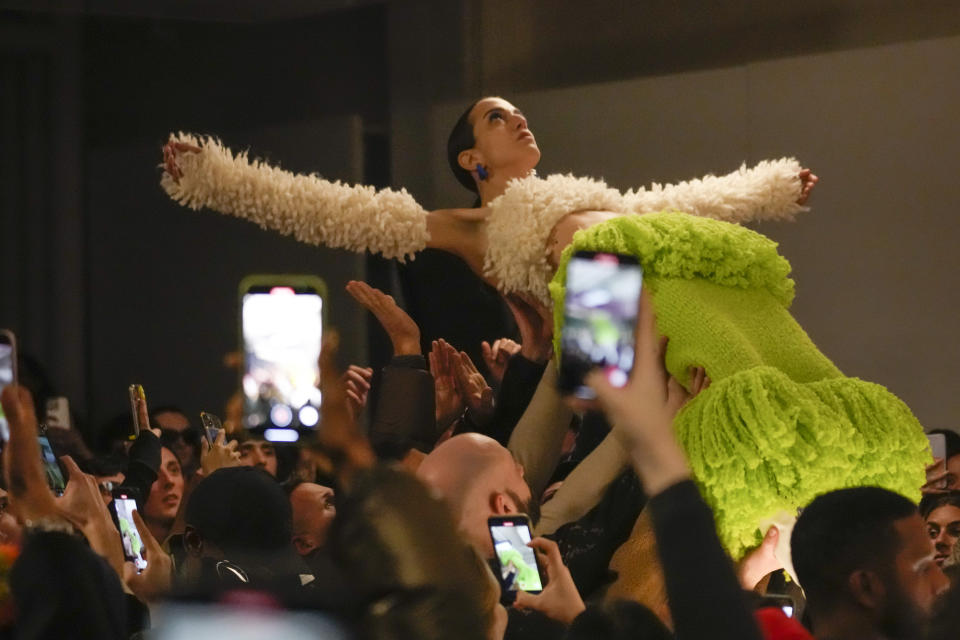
313,511
943,527
165,494
176,421
953,473
916,583
259,453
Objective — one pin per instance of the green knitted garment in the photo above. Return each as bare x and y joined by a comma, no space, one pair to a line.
779,424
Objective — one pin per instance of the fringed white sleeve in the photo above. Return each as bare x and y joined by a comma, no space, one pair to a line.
768,191
313,210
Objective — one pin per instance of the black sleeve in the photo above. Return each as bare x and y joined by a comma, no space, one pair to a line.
705,596
405,415
65,590
143,465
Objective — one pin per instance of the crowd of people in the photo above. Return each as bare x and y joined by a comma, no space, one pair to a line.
384,533
642,526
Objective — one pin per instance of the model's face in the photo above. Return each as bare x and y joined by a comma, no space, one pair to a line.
943,527
166,491
259,453
502,137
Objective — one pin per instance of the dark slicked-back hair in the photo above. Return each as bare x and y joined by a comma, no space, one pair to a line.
461,138
934,501
841,532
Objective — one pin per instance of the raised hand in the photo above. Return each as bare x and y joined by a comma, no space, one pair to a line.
807,182
472,386
357,382
535,323
559,599
642,411
449,401
170,152
156,580
219,454
497,355
403,331
30,496
82,504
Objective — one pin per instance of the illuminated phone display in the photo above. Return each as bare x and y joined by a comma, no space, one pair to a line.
519,570
8,364
600,315
282,333
129,534
50,467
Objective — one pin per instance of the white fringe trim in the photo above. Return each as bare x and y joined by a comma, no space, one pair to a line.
768,191
522,218
520,223
313,210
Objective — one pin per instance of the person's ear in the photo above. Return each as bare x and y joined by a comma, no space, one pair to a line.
469,159
867,589
193,542
502,505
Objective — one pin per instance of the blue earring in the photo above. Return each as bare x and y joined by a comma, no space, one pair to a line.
482,172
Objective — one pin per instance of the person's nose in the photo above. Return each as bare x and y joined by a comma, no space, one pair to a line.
519,122
259,460
166,480
942,542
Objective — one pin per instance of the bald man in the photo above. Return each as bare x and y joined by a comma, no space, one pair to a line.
313,511
478,478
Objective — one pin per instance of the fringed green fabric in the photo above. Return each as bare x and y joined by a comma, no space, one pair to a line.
780,423
760,443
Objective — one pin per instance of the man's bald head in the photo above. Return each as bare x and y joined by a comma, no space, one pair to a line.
478,478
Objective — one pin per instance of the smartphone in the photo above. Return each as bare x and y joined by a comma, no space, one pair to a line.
137,397
600,317
519,567
211,426
281,329
938,447
8,372
58,413
124,503
51,467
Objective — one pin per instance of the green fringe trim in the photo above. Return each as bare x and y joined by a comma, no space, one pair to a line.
760,443
670,244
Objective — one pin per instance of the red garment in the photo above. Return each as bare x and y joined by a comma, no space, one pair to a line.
775,625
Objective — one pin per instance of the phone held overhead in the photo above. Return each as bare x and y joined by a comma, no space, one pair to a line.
281,320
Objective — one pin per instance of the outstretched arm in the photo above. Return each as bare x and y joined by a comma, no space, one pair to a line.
201,172
773,189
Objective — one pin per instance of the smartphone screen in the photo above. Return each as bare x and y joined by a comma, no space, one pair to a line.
282,330
8,364
519,570
124,505
50,466
137,397
600,315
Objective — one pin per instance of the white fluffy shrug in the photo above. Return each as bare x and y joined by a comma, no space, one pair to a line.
360,218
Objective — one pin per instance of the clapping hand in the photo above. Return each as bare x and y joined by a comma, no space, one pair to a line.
473,387
497,355
449,401
357,385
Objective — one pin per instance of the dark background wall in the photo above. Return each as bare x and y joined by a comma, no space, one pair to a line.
107,282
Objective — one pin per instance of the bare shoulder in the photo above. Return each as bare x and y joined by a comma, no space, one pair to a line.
462,232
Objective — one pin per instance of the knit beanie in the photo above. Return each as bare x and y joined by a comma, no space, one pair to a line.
779,424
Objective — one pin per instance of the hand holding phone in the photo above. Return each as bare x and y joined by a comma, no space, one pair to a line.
211,426
519,567
123,505
600,316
